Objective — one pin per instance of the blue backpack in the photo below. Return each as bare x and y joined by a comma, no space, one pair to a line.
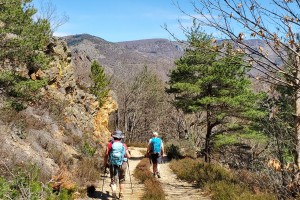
156,145
117,153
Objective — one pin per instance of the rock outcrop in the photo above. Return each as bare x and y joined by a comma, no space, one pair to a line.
53,131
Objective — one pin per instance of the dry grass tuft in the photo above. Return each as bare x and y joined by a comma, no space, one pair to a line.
63,180
153,188
87,171
142,171
220,182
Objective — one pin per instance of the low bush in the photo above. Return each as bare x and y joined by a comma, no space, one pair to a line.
156,191
200,172
24,184
220,182
173,152
224,190
87,170
88,149
153,189
185,169
142,171
180,148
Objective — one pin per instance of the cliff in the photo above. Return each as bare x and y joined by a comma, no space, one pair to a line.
60,130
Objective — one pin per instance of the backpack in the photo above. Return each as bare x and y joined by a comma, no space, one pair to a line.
156,145
117,153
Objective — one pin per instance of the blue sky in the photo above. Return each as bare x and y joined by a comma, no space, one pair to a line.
121,20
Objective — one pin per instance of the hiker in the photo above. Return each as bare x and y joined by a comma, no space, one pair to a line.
116,158
156,152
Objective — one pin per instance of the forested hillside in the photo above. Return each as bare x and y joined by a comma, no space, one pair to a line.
229,108
50,128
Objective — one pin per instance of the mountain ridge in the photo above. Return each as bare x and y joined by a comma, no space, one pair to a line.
122,59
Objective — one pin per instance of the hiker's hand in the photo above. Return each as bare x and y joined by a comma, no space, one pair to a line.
106,165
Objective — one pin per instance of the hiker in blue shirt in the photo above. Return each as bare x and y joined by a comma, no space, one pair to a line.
116,157
156,151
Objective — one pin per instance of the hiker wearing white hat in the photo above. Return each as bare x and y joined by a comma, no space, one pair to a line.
156,151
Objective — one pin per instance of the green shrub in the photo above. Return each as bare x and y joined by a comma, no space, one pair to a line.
24,184
222,183
181,148
173,152
62,195
19,86
210,173
88,149
261,196
184,169
223,190
4,188
200,172
16,105
20,90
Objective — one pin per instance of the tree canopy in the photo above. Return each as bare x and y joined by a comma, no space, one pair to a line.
100,82
22,39
205,80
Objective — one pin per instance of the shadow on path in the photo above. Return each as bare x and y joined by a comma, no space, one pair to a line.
99,195
137,158
94,194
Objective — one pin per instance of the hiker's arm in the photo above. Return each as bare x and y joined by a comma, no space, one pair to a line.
162,149
105,158
127,154
149,147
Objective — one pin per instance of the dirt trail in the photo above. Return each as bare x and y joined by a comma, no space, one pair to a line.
173,187
177,189
137,188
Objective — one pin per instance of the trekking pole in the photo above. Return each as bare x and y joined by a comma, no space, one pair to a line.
103,179
129,176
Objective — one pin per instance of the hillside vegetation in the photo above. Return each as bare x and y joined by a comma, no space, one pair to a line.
60,98
51,130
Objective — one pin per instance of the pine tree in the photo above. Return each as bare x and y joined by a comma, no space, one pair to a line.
22,39
100,83
215,83
23,45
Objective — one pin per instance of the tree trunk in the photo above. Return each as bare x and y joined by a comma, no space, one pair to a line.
297,127
297,110
207,137
117,115
207,145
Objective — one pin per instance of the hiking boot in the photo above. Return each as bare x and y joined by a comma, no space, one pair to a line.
158,175
121,196
114,195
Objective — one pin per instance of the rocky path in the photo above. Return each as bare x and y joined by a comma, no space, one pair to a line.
177,189
173,187
131,193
